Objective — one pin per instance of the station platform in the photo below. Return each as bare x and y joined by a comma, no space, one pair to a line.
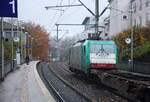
24,85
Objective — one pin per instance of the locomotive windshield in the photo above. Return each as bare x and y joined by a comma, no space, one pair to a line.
102,48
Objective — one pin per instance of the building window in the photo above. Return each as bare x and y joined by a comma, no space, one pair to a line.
147,3
140,8
8,35
15,34
124,17
140,19
134,22
147,19
134,8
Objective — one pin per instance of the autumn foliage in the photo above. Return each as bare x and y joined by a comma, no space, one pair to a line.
38,40
141,36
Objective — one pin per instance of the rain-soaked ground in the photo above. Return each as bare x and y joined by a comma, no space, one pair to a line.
22,86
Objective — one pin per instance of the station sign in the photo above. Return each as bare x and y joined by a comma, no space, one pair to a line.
8,8
25,46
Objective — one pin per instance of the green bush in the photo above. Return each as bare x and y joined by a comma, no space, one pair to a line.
141,36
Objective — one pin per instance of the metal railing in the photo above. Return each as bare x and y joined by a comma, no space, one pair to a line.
139,67
8,68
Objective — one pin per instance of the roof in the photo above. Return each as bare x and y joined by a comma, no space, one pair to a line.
7,26
86,20
110,1
99,42
132,1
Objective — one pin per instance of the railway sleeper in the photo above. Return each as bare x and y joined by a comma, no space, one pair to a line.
131,88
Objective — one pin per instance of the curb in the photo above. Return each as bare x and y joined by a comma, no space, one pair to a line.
41,85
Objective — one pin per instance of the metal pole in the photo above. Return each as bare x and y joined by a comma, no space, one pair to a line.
97,16
132,42
12,49
132,46
31,48
57,42
57,32
20,32
20,43
2,48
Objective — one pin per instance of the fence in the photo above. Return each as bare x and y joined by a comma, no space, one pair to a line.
8,68
139,67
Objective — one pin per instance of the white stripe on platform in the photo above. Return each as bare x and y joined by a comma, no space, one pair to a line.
42,86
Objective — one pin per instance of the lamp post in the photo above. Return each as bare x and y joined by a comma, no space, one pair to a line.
2,50
12,49
32,47
26,43
132,42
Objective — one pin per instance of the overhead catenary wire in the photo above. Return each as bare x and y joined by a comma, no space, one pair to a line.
53,25
54,16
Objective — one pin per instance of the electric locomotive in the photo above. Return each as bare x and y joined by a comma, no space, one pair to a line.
92,55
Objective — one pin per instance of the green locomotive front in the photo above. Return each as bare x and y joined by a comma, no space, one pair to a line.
92,54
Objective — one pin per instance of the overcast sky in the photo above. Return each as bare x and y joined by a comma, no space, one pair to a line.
33,10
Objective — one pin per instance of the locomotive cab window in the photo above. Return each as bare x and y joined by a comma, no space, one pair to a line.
102,48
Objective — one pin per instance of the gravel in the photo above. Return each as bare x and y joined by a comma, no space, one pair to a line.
67,93
97,93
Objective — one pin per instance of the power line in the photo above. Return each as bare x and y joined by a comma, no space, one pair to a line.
49,7
62,15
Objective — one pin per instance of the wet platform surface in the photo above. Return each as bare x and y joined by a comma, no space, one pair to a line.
24,85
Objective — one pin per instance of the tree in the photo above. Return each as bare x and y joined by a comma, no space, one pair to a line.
38,39
64,47
141,36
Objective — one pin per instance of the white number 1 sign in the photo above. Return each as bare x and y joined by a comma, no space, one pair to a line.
13,6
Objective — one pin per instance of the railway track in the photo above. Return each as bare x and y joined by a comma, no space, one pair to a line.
64,68
58,94
67,83
126,87
131,86
89,81
134,86
50,86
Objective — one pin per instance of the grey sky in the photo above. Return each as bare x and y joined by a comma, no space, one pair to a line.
33,10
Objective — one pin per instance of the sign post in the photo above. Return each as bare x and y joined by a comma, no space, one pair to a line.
128,41
8,8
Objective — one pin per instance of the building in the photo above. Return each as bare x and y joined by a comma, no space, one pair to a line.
119,16
17,32
127,13
89,31
141,14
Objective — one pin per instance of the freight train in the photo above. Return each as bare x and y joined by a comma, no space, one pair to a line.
86,56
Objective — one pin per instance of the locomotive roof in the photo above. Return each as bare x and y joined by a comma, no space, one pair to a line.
98,42
93,42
